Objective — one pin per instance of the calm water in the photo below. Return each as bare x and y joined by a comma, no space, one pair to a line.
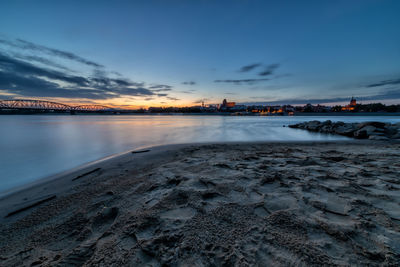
33,147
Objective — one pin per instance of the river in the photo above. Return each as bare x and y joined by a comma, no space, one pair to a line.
36,146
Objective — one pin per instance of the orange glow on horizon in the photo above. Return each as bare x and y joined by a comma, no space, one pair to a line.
122,103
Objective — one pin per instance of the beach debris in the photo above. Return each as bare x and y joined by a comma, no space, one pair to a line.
222,165
86,173
34,204
372,130
140,151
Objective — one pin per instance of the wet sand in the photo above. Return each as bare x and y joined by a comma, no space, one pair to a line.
279,204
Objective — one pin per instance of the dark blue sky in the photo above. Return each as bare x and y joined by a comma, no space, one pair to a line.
179,52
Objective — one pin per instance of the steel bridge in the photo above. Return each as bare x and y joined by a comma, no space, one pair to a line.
50,106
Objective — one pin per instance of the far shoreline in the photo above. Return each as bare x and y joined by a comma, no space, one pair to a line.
322,114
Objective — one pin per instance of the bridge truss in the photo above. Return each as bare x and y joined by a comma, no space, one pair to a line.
48,105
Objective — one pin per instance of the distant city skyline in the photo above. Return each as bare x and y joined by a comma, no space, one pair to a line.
152,53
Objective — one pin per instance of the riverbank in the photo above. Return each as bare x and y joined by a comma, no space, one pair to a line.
311,203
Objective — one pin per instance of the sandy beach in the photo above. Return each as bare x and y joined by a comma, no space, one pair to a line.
243,204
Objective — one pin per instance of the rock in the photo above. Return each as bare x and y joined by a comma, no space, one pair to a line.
364,132
378,137
369,129
361,134
313,125
378,133
326,129
396,136
339,123
392,130
376,124
346,129
294,126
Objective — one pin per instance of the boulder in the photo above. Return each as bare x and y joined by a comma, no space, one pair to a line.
302,125
376,124
297,125
392,130
313,125
365,131
346,129
396,136
373,130
378,133
326,129
378,137
360,134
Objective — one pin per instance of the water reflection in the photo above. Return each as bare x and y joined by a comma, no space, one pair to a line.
37,146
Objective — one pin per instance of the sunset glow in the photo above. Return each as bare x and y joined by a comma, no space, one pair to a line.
249,52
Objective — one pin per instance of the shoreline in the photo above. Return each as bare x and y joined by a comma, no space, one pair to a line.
61,183
114,158
310,202
81,168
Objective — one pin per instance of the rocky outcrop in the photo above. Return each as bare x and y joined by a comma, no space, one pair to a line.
366,130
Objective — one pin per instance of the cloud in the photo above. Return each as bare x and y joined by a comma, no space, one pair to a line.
201,101
41,60
172,98
13,65
250,67
25,73
117,74
28,80
386,82
269,70
160,86
161,90
25,45
37,87
246,81
138,91
189,83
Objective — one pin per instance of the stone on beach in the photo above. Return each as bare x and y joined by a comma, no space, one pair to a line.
372,130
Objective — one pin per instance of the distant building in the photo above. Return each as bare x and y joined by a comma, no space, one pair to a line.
226,105
351,106
353,102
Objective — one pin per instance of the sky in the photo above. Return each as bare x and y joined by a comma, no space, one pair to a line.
180,53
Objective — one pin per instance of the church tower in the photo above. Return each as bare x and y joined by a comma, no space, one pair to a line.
353,102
